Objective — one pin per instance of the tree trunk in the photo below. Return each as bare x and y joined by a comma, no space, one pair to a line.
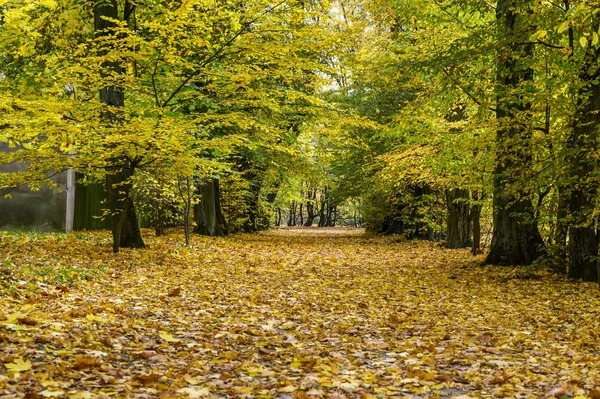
582,147
310,208
561,230
458,219
207,212
476,222
292,217
124,225
516,239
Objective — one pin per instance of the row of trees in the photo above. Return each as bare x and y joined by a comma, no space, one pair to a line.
435,116
160,100
476,102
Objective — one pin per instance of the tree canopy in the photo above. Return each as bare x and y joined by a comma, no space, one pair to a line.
464,121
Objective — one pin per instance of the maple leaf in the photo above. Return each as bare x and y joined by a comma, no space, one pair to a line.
18,365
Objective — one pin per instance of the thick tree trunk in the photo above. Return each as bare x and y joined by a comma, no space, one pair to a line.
125,230
124,225
583,143
207,212
458,219
516,239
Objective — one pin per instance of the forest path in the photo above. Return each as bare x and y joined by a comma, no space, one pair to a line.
293,315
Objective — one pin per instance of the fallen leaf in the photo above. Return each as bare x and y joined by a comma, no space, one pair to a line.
168,337
18,365
81,395
558,391
83,362
194,392
52,394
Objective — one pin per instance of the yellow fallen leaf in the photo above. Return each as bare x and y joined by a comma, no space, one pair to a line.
191,380
287,389
168,337
288,325
18,365
81,395
92,318
194,392
51,394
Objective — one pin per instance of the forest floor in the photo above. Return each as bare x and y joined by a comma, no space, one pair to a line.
286,314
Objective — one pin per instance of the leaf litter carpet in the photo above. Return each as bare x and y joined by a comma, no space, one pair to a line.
288,314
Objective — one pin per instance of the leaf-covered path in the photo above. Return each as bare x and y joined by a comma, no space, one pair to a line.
289,315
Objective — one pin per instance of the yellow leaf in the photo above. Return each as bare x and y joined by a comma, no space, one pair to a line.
287,389
18,365
583,41
168,337
51,394
81,395
92,318
287,326
191,380
194,392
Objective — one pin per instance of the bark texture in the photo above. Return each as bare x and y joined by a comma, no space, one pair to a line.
207,212
516,239
124,224
458,220
583,143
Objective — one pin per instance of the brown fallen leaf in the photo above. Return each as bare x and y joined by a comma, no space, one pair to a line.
146,354
175,292
106,341
83,362
265,351
486,339
558,391
501,379
27,321
595,394
147,379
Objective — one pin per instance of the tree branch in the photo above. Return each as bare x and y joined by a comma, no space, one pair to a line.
220,50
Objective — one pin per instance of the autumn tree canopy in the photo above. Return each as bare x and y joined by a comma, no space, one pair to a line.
464,121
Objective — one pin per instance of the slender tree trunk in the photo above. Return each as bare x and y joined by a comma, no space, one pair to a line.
310,208
561,230
292,218
458,219
516,239
476,222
